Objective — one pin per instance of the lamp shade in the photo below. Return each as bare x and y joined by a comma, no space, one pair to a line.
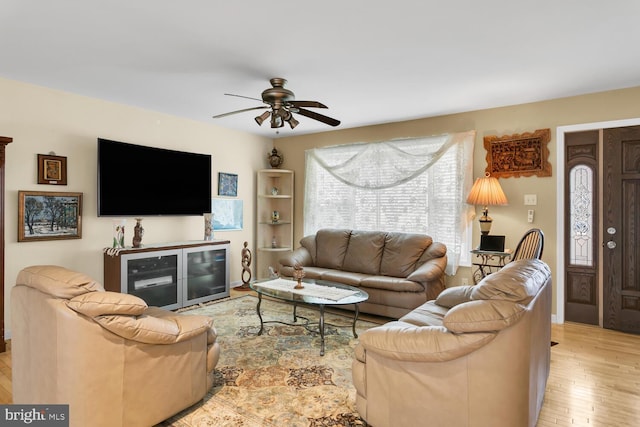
486,191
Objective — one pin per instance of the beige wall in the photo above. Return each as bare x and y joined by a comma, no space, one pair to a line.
41,120
509,220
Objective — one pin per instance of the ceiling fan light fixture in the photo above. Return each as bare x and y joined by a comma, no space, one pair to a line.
276,121
293,122
262,117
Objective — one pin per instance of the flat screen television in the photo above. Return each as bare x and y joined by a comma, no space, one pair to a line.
136,180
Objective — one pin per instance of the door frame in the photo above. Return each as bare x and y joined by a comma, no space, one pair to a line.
560,211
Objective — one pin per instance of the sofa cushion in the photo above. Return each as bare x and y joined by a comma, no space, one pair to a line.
57,281
95,304
483,316
364,252
346,277
397,284
401,252
333,244
451,297
518,281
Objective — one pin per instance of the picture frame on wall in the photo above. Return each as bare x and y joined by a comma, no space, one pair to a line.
227,184
227,214
517,155
48,215
52,169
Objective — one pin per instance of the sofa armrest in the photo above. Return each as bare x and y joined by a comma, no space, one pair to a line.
299,256
433,269
405,342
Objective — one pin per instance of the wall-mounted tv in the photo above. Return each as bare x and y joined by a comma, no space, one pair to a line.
136,180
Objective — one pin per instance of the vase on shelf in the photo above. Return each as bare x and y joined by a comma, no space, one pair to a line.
118,233
275,159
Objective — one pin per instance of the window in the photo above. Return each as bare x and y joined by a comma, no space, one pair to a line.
416,185
581,215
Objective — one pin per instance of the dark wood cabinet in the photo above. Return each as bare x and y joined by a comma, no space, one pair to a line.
4,140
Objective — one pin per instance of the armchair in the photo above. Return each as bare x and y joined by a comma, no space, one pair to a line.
112,359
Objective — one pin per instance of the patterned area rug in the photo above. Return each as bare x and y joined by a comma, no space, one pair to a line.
278,378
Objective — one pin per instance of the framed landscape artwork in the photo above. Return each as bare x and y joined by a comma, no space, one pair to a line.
46,215
52,169
227,184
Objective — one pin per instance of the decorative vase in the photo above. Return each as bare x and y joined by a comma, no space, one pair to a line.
275,216
138,232
208,226
275,159
118,233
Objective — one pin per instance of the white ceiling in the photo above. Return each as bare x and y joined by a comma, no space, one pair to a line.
369,61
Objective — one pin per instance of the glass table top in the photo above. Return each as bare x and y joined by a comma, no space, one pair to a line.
358,295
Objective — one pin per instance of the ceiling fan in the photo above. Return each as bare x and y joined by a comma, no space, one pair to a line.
282,105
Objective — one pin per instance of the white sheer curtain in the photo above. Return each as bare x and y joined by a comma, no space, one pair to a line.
414,185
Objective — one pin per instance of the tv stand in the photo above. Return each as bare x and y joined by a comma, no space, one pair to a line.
170,275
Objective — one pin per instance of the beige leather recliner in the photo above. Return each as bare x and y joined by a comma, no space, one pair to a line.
476,356
112,359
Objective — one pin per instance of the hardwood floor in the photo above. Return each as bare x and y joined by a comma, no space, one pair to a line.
594,379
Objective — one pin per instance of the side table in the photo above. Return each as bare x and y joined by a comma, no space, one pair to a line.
488,262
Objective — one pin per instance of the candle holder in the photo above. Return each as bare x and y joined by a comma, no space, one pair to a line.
298,274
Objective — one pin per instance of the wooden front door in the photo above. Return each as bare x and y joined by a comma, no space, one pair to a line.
581,227
621,224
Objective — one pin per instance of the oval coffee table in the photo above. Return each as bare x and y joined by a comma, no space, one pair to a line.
320,293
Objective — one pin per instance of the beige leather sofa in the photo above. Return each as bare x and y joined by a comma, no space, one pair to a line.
475,357
112,359
399,271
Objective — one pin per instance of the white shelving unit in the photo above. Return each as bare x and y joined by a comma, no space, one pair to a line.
273,237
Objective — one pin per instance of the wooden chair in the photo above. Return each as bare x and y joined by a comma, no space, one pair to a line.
530,246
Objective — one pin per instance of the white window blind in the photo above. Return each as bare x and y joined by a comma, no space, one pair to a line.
416,185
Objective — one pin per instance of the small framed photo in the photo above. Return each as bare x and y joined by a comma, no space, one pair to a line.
52,169
227,184
47,215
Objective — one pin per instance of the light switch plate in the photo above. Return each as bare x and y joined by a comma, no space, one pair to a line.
530,199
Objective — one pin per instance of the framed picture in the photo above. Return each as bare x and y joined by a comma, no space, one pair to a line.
46,215
227,214
517,155
227,184
52,169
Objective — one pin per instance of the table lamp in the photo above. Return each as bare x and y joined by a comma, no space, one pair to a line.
486,191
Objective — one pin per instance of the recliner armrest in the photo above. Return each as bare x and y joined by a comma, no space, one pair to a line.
157,326
405,342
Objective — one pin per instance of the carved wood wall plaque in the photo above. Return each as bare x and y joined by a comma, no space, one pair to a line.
516,155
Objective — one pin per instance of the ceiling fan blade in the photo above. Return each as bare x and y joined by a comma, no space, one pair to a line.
242,96
318,117
314,104
240,111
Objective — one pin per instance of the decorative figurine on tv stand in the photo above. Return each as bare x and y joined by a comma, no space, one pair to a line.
298,274
138,232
